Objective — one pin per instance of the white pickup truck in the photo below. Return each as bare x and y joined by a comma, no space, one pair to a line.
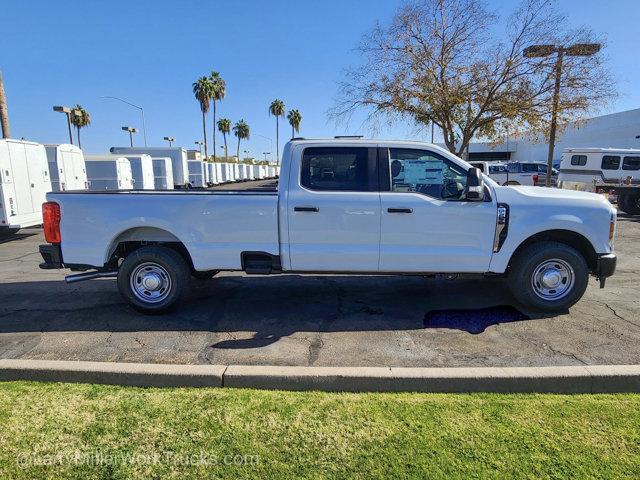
341,206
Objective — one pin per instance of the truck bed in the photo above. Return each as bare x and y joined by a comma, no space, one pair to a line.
215,226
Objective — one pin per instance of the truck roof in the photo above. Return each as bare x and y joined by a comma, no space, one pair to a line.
357,140
601,150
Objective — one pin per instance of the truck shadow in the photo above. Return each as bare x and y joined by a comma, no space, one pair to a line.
21,235
267,308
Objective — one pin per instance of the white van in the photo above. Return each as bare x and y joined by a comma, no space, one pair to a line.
196,173
177,155
108,172
599,169
141,171
162,173
24,183
66,167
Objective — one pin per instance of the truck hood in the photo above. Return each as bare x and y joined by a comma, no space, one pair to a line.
552,196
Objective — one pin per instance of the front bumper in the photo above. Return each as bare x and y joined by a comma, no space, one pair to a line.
605,267
52,256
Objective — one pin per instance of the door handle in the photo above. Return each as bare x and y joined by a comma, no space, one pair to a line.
399,210
306,209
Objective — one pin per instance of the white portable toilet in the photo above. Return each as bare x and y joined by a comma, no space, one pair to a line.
178,156
108,172
24,183
66,167
196,173
162,173
141,171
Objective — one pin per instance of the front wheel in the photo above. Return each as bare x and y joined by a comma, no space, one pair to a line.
548,276
152,279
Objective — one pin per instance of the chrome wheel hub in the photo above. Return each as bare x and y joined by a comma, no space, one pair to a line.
552,279
150,282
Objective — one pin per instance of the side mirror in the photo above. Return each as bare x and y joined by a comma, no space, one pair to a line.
475,185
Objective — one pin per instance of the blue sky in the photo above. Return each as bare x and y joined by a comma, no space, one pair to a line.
150,52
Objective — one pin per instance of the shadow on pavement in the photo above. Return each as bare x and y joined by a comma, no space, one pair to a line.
265,308
17,236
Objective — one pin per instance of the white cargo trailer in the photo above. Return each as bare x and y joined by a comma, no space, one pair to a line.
66,167
141,171
108,172
259,172
24,183
177,155
196,173
162,173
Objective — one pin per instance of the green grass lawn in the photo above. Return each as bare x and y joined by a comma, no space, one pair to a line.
92,431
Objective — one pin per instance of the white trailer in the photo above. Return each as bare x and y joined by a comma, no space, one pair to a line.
257,172
196,173
108,172
162,173
24,183
178,156
66,167
141,171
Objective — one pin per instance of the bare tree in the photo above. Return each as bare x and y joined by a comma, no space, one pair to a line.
437,61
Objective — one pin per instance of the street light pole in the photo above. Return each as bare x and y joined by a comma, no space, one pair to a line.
170,140
144,127
67,112
199,143
131,131
576,50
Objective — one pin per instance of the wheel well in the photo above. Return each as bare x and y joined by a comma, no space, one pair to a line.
572,239
133,239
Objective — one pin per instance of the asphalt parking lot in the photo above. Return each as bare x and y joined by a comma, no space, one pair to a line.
316,319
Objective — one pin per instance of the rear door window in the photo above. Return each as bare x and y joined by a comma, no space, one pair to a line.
631,163
579,160
529,167
335,169
610,162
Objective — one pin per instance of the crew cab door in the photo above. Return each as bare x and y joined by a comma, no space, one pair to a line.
425,225
333,209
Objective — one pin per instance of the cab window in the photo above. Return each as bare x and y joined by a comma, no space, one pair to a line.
335,169
425,172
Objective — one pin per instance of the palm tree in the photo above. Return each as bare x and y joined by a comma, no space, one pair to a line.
294,118
277,110
241,130
224,127
80,118
202,92
218,91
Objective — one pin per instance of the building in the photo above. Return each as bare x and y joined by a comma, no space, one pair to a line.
617,130
194,155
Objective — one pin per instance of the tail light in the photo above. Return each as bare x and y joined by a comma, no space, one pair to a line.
535,180
51,221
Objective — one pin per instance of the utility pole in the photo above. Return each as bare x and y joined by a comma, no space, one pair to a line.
4,113
67,112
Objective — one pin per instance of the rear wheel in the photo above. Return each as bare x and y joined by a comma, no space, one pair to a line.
152,279
548,276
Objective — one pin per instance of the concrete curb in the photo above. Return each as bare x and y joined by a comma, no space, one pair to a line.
574,379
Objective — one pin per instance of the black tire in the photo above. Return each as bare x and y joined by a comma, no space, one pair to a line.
629,204
158,264
561,262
